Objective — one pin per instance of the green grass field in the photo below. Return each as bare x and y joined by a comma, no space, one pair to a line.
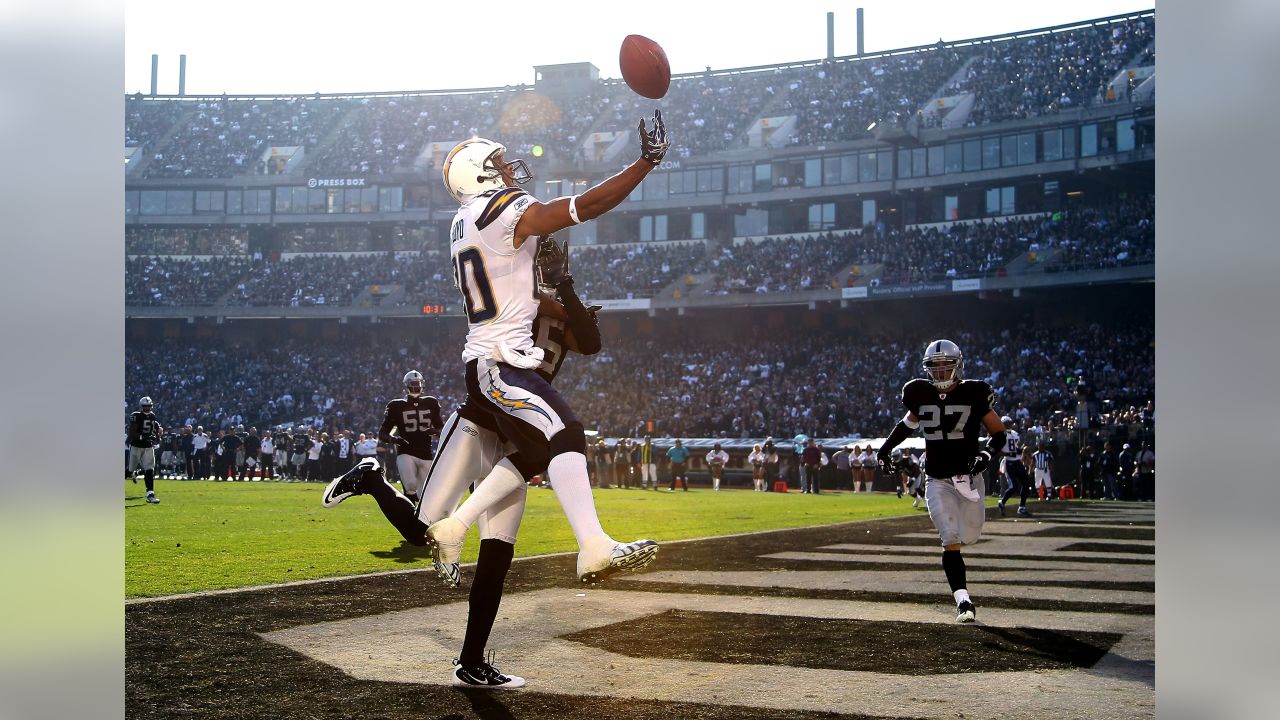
208,535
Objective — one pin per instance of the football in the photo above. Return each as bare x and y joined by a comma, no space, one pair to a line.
644,66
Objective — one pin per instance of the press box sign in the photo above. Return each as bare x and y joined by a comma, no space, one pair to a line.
335,182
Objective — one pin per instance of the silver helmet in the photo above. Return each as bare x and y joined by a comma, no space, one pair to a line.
413,383
943,362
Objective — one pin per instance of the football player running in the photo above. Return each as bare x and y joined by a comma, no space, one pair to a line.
144,434
417,417
470,447
494,268
951,412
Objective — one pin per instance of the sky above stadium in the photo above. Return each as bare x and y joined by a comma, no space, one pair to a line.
257,46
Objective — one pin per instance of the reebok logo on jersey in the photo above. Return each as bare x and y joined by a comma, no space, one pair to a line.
470,431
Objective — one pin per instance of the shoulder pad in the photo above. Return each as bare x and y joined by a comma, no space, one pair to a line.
497,203
916,391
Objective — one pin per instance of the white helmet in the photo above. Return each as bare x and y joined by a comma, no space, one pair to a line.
413,383
942,363
145,403
471,169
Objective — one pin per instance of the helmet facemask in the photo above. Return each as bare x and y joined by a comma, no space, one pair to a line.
943,372
517,170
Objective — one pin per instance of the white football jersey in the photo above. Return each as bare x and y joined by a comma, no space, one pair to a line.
498,281
1012,444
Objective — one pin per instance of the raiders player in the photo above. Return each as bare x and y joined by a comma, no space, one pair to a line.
417,417
469,449
494,269
144,433
951,412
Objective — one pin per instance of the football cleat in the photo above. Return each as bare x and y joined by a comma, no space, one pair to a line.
630,556
1001,506
151,498
965,612
449,573
348,484
1023,511
447,537
485,676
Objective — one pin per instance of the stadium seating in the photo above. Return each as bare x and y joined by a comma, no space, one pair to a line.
1027,75
740,381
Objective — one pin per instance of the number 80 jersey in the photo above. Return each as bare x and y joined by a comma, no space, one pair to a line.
497,280
951,422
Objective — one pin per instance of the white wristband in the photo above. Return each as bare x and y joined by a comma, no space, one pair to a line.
913,424
573,210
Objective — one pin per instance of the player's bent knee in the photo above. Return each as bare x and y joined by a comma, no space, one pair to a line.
570,439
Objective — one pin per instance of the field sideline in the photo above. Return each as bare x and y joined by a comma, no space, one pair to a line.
208,536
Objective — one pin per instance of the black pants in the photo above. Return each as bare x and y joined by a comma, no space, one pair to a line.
245,470
1018,482
268,461
678,473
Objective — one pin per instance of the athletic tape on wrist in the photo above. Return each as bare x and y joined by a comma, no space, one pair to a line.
573,210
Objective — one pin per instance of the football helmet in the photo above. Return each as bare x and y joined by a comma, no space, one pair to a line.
413,383
472,168
1006,420
942,363
145,403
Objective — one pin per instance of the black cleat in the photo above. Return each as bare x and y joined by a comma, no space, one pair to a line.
965,612
484,676
348,484
1001,506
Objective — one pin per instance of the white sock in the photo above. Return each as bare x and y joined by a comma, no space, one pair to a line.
568,472
501,481
962,595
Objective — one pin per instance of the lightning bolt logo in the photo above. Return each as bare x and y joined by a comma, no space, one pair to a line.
514,404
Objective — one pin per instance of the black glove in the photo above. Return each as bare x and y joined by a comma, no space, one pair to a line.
553,261
980,463
400,443
886,463
654,143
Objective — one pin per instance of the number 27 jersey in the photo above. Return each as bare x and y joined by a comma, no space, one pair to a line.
951,422
497,280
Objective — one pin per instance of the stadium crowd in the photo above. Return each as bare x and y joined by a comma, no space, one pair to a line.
633,270
148,240
838,100
1088,237
163,281
228,137
1012,78
1043,74
730,382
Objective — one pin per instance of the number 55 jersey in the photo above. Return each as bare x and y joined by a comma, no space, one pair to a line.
498,281
951,422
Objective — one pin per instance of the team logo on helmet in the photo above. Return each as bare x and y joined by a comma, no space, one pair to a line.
942,363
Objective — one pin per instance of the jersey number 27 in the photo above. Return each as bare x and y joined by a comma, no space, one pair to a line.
931,421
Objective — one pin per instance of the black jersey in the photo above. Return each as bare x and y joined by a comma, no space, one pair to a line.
416,419
230,443
950,421
144,431
549,334
301,443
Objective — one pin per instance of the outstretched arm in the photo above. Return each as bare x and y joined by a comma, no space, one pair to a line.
558,214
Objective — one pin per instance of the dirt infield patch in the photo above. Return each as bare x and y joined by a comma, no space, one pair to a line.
206,656
896,648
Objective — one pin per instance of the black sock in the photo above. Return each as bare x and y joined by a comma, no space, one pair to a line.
953,566
150,476
397,508
486,594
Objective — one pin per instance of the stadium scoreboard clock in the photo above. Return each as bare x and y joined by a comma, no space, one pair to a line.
433,309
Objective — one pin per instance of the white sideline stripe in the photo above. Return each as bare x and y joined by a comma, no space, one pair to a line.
382,573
